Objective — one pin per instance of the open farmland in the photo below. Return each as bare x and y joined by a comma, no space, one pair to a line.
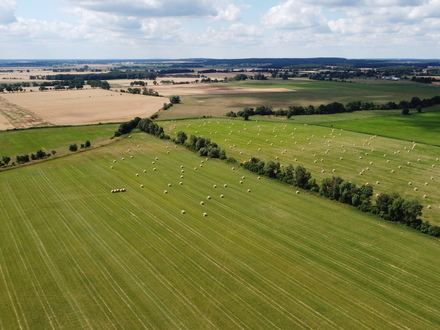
74,255
390,165
19,142
87,106
219,98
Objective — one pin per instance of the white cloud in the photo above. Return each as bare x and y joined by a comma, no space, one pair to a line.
161,8
236,33
294,14
7,11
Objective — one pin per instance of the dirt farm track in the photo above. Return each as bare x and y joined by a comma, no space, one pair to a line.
73,107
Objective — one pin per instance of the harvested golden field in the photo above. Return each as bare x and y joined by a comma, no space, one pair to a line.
88,106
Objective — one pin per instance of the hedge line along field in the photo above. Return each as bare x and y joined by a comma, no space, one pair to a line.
390,165
17,142
75,255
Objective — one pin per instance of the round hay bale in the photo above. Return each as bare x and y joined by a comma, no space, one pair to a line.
182,171
168,152
322,171
208,197
129,136
415,189
258,178
111,167
152,162
340,158
165,191
426,183
112,191
129,150
214,186
248,190
233,168
377,182
385,155
205,214
181,166
408,163
145,171
429,207
432,165
122,158
142,186
241,182
180,183
195,168
243,178
425,196
225,185
131,157
297,192
114,160
154,169
157,158
137,174
222,196
333,170
388,161
392,171
202,203
182,212
139,146
181,176
169,185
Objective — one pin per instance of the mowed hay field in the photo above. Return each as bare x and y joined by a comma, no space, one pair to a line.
390,165
74,255
87,106
19,142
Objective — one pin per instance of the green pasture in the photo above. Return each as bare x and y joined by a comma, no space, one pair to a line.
390,165
419,127
297,91
19,142
74,255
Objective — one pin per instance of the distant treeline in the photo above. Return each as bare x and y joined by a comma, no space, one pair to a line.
149,75
334,107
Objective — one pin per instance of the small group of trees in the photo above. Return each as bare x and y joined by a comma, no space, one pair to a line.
74,146
143,91
204,146
148,126
127,127
99,83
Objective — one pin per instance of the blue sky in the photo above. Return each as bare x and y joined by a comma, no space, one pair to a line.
115,29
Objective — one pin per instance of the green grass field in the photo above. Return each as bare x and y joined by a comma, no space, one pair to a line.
327,151
74,255
19,142
419,127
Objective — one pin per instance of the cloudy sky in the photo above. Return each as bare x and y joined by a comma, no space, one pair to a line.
116,29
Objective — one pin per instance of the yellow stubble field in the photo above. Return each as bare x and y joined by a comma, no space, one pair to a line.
87,106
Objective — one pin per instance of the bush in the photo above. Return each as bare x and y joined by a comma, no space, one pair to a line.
175,99
73,147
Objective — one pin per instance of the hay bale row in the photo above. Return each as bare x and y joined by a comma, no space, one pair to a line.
118,190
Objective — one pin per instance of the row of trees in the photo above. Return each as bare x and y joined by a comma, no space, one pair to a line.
335,107
389,207
21,159
143,91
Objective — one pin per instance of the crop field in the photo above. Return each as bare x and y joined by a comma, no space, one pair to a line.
245,253
78,107
390,165
20,142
